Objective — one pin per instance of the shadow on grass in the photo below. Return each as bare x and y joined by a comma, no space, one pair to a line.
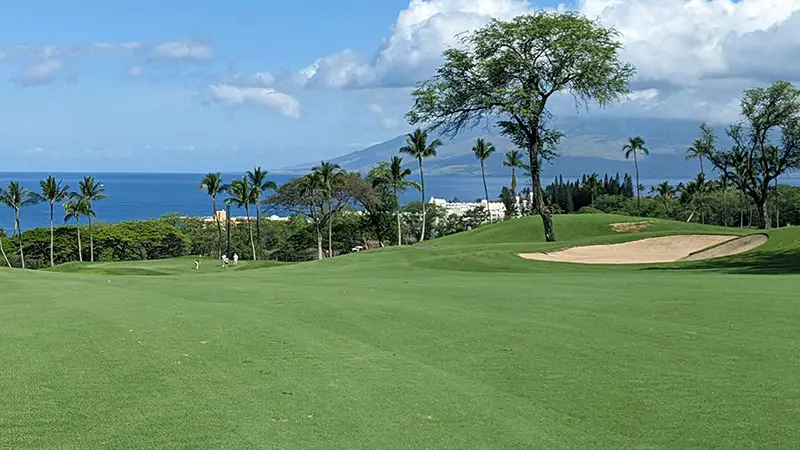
776,262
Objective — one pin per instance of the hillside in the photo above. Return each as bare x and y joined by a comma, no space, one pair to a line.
591,144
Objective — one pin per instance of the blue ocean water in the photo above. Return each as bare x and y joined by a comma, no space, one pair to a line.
137,196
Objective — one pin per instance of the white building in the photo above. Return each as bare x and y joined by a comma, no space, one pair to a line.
497,210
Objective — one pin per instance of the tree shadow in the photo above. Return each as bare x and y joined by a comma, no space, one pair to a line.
775,262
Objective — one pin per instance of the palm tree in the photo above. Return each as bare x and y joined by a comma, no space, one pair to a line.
593,183
665,191
258,179
76,207
2,249
17,197
328,174
212,184
91,191
52,192
483,150
311,185
418,147
241,195
634,146
513,160
698,150
394,174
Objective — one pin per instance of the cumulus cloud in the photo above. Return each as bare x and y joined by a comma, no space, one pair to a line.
375,108
43,72
681,48
232,94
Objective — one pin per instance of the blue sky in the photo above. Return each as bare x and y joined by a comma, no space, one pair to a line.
210,85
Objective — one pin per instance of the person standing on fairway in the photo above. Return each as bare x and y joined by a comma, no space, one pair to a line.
225,261
197,262
235,259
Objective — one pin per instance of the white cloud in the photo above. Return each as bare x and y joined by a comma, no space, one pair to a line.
388,123
182,50
231,94
680,48
135,71
375,108
43,72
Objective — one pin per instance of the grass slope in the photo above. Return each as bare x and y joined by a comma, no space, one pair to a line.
458,343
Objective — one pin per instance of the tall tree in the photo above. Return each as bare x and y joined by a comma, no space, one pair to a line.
328,174
634,146
514,161
394,175
593,183
17,197
417,147
511,69
308,196
241,195
699,150
766,143
91,191
665,192
258,179
212,184
53,191
75,208
3,249
483,150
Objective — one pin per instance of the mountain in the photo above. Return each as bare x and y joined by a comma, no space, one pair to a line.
590,144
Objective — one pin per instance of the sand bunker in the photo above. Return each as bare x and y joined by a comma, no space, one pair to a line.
655,250
630,227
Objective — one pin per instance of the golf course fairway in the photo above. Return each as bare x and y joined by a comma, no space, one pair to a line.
457,343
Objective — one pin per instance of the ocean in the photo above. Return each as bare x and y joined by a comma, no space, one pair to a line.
138,196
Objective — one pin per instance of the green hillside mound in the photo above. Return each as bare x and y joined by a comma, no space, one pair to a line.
577,228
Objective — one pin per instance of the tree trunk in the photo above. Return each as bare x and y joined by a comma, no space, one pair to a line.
777,207
91,241
219,225
422,185
250,229
538,194
80,248
258,230
486,193
514,180
399,226
725,205
52,237
636,167
19,235
319,242
228,231
330,227
764,218
3,251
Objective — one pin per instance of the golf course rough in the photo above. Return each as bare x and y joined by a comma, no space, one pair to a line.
459,345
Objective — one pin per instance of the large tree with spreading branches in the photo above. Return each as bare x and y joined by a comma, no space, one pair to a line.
510,70
766,143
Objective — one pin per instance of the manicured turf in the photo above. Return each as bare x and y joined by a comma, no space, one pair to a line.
457,343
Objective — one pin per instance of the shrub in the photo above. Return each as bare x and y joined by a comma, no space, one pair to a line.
589,210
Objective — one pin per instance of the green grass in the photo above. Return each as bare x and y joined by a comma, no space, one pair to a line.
457,343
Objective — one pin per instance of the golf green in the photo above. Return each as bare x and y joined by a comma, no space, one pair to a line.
453,343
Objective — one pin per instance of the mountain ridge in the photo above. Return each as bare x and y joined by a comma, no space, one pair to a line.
590,144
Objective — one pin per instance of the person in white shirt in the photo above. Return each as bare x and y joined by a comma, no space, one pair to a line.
225,261
235,259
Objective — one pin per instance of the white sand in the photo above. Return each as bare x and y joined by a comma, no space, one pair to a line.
654,250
